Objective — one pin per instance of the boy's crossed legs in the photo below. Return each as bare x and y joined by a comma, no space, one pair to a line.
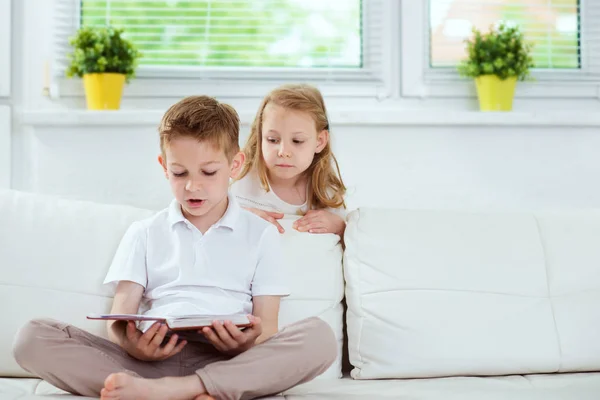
82,363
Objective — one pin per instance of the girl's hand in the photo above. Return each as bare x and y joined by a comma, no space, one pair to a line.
231,340
270,216
147,346
320,221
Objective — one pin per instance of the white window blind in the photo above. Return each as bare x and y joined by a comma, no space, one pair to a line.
334,40
564,33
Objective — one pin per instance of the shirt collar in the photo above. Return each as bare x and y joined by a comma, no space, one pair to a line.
175,215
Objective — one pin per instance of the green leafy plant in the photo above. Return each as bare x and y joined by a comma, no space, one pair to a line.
502,51
97,50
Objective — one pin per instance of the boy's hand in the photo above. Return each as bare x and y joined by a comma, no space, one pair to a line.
147,346
231,340
270,216
320,221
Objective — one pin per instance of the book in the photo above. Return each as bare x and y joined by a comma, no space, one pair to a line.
179,323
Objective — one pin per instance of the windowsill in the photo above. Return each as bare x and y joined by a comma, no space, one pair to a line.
384,116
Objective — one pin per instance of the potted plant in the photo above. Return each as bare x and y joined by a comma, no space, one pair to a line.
497,59
106,61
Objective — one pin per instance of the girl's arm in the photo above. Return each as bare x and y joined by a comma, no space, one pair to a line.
321,221
270,216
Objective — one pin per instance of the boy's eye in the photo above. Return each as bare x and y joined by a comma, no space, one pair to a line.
209,173
179,174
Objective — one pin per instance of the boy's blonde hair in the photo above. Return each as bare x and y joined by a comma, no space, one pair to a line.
202,118
325,186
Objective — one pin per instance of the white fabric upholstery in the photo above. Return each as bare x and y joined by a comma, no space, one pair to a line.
584,386
429,294
447,293
572,252
532,387
316,281
56,253
29,389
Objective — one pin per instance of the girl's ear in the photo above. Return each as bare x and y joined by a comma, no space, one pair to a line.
322,140
237,163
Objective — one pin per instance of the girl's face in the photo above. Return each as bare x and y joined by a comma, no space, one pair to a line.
289,141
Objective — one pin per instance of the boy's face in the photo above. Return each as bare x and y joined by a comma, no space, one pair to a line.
199,176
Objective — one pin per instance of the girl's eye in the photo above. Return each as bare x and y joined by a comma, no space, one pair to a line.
209,173
271,140
180,174
298,141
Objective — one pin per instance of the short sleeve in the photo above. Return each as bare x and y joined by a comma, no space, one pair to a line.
340,211
269,276
129,262
249,193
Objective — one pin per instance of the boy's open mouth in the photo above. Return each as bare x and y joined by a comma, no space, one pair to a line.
195,202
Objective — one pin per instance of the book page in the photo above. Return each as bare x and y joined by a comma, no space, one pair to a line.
126,317
200,321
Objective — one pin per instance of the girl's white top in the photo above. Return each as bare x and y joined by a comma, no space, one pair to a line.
250,193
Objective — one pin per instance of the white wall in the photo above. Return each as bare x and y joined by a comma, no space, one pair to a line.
406,166
5,92
418,153
5,146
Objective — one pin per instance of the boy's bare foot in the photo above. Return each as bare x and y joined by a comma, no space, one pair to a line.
122,386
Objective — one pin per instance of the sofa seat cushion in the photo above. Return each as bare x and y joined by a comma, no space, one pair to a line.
583,386
31,388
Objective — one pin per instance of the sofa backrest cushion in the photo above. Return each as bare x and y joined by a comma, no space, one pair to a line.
55,254
439,293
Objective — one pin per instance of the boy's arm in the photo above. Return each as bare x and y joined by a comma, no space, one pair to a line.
128,297
267,309
147,346
268,285
128,272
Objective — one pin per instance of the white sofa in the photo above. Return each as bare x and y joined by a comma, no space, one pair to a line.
441,305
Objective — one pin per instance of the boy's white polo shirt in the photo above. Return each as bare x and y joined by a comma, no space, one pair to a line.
184,272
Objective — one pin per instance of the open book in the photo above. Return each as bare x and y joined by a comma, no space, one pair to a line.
183,322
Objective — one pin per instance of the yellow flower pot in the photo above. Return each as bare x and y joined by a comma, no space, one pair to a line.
103,91
494,93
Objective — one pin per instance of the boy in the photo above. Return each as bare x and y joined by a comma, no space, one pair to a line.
203,254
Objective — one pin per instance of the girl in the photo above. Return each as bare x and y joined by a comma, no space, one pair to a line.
289,167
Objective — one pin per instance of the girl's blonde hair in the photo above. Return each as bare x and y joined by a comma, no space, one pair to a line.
325,186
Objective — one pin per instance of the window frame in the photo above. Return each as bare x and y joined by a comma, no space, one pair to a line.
421,81
373,80
5,47
5,92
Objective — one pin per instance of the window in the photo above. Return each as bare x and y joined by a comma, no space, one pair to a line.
336,44
564,33
552,26
237,33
